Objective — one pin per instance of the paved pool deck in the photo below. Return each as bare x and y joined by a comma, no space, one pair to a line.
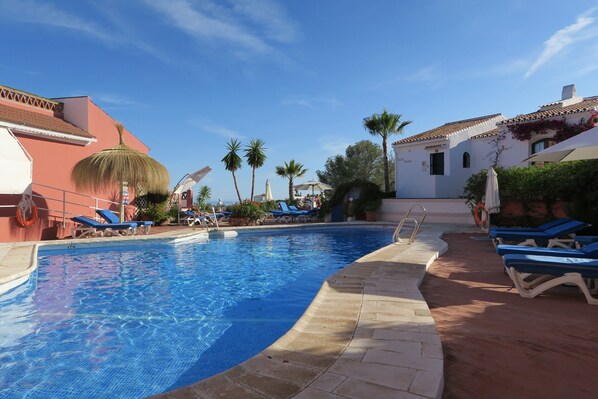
368,333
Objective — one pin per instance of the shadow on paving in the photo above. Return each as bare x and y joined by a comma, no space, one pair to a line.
499,345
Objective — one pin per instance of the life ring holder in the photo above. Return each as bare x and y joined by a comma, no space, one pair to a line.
480,215
26,205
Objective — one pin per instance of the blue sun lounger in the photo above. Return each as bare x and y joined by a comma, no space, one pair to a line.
110,217
89,227
553,236
532,275
542,227
285,213
588,251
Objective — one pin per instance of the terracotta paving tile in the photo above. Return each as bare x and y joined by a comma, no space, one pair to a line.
500,345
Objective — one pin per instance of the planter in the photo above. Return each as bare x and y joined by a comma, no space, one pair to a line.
371,216
242,222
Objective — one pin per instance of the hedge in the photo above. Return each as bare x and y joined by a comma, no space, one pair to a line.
571,182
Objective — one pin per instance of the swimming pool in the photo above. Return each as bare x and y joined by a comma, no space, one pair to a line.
136,320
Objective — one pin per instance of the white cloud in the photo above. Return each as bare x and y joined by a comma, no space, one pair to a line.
34,12
208,126
116,101
334,145
199,24
46,14
426,74
312,102
505,68
270,16
561,40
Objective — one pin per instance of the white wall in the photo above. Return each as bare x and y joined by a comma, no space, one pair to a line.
76,111
415,181
412,165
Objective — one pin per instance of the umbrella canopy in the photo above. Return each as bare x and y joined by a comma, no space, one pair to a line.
268,191
312,185
581,146
191,179
114,166
492,202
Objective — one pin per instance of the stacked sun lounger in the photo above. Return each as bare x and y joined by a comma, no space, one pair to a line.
110,217
88,227
535,269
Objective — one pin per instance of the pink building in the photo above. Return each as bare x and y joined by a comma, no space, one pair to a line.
41,140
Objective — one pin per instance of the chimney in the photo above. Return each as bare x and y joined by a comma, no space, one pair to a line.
568,92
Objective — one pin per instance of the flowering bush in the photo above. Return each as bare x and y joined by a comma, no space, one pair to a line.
564,130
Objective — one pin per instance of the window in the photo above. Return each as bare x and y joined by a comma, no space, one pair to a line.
437,163
466,160
541,145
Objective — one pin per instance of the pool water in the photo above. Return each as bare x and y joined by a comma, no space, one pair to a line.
136,320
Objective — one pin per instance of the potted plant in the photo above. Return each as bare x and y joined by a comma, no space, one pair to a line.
371,209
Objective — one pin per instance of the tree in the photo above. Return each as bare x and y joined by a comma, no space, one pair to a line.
233,162
256,157
203,196
291,170
385,125
362,160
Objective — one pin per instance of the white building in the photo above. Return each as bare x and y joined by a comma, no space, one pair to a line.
437,163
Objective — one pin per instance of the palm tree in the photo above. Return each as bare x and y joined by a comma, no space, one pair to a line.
232,161
385,125
291,170
114,166
256,157
204,194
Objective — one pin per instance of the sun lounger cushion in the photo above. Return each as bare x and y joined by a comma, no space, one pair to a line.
553,265
588,251
566,228
103,226
547,272
542,227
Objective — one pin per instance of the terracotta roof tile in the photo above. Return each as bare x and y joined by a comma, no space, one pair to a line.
446,129
587,104
38,120
489,133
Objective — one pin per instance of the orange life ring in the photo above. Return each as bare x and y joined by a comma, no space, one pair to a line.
480,209
27,222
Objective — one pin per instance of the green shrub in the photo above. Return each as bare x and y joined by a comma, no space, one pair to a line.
248,210
370,198
570,182
156,212
269,205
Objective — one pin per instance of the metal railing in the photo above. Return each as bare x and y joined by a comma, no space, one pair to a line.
396,236
62,204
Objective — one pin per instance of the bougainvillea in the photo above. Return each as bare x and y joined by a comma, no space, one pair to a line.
563,130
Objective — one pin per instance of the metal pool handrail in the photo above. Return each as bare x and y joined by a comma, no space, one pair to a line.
396,236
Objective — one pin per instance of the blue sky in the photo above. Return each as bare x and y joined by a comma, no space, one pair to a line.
185,76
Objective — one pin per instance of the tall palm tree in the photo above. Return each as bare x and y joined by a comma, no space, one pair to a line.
114,166
255,153
290,171
232,161
385,125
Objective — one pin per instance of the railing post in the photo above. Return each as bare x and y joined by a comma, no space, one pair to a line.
63,209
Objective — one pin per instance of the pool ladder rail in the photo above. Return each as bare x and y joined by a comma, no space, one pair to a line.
396,236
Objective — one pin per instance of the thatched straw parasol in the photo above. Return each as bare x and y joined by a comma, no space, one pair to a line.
113,166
